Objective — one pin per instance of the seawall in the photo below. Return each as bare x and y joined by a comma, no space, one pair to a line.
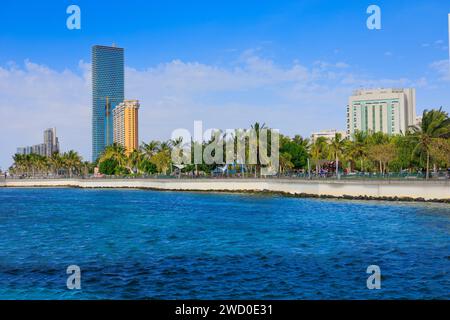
367,189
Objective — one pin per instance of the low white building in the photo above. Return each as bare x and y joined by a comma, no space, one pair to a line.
327,134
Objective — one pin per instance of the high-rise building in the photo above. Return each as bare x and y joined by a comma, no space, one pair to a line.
40,149
51,141
391,111
46,149
107,93
126,122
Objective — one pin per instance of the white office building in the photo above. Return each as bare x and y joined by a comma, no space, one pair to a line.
391,111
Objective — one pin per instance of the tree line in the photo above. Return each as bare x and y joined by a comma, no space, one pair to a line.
68,164
422,148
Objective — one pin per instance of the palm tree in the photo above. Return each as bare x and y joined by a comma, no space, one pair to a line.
134,161
41,164
303,142
87,166
116,152
358,147
72,161
32,160
165,146
55,162
20,165
162,161
150,149
285,162
175,142
336,148
257,127
435,125
318,151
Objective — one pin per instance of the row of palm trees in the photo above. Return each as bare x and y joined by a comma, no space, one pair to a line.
156,157
151,157
424,146
67,164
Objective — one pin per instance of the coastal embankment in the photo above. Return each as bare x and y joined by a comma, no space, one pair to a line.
438,191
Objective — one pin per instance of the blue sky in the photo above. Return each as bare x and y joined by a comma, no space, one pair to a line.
290,64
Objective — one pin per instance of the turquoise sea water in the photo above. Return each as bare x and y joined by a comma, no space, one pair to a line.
135,244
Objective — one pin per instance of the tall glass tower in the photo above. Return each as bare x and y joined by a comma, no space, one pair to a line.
107,93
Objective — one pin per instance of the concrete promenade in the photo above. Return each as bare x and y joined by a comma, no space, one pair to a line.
367,189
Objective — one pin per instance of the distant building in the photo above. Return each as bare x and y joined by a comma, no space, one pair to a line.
391,111
107,93
46,149
328,134
51,141
418,121
126,123
40,149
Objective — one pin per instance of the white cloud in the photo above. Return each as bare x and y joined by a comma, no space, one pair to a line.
34,97
442,69
438,44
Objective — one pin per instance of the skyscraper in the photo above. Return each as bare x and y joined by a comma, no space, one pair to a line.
126,122
391,111
51,141
107,93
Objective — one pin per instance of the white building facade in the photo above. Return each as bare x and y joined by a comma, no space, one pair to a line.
391,111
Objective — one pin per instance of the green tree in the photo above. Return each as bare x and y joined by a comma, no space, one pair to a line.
358,148
336,149
56,163
116,153
383,154
285,162
150,149
404,153
109,167
72,161
319,150
162,161
296,148
435,125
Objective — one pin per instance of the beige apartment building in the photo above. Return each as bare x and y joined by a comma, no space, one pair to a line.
391,111
125,124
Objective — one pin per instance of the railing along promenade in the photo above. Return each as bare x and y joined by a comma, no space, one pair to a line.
435,177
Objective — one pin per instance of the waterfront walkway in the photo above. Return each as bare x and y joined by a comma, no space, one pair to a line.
436,190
